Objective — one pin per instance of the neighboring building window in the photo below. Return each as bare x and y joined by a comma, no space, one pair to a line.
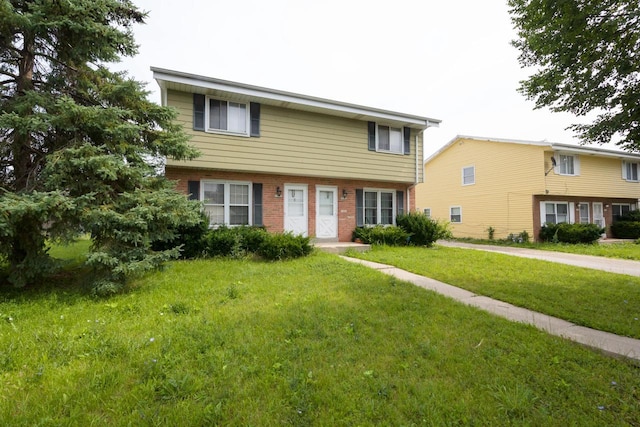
227,116
427,212
584,213
630,171
556,213
227,203
455,214
390,139
620,209
469,175
378,207
568,165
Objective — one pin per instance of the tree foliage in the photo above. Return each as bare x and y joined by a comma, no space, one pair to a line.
77,141
586,54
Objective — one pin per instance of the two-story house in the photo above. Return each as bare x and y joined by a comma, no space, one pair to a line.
293,162
514,186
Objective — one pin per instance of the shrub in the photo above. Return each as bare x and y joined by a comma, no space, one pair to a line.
571,233
281,246
522,237
382,235
633,216
234,242
192,238
626,229
423,230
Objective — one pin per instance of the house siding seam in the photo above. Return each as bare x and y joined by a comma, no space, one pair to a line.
273,207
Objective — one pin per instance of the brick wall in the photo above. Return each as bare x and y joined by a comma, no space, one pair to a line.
273,207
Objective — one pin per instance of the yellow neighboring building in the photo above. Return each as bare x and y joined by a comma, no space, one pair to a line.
513,186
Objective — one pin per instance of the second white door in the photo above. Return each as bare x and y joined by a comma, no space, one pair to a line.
326,212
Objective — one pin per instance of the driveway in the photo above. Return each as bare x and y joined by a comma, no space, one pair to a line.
612,265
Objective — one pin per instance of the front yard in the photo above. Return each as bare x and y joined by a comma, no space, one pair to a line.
605,301
314,341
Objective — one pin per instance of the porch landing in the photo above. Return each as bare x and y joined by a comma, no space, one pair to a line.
341,247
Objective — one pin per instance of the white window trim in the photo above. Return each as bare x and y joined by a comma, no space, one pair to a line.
427,212
380,150
576,164
207,103
474,175
571,210
624,171
227,199
394,205
450,214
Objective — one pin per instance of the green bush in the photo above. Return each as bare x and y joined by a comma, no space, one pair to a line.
423,230
382,235
522,237
633,216
626,229
281,246
234,242
571,233
192,238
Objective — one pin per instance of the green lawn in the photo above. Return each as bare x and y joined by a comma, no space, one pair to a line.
623,250
600,300
315,341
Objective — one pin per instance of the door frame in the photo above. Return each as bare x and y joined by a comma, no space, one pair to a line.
334,190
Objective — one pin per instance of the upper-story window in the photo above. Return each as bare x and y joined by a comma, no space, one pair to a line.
568,164
228,116
630,171
389,139
218,115
468,175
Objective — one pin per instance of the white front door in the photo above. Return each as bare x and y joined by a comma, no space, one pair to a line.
598,215
295,209
326,212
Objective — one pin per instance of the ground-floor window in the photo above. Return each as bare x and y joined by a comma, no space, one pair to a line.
620,209
378,207
226,202
455,214
556,212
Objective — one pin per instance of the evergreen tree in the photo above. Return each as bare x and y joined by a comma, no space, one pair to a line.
586,54
78,142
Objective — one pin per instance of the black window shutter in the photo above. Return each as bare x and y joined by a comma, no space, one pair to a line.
198,111
254,111
359,208
257,204
194,190
407,140
399,202
372,136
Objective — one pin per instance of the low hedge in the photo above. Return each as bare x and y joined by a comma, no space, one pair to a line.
626,229
382,235
571,233
238,242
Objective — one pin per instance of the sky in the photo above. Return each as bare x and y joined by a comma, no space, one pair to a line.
448,60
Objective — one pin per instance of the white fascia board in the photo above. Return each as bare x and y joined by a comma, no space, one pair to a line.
162,75
600,152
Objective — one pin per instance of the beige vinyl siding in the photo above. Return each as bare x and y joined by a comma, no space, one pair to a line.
506,176
599,177
296,143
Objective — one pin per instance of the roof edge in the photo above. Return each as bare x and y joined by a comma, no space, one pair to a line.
162,74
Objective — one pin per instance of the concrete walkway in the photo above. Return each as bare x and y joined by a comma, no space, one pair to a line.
608,343
612,265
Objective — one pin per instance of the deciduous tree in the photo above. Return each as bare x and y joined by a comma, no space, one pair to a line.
586,56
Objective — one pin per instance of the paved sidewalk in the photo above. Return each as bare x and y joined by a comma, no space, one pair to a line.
612,265
608,343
